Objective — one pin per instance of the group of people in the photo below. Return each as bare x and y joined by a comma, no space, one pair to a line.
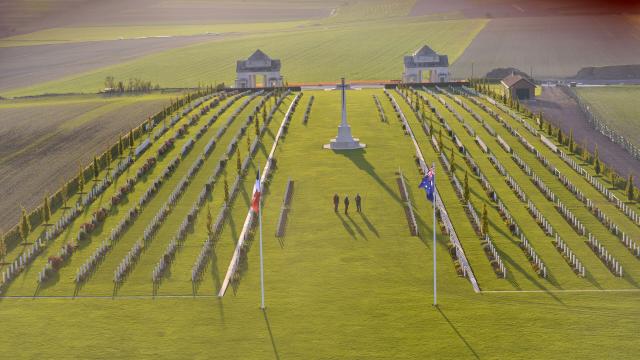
336,203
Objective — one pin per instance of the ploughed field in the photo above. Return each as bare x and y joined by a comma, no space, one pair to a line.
551,47
43,140
337,285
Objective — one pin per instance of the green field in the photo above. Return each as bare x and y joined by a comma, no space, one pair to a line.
616,106
363,51
337,286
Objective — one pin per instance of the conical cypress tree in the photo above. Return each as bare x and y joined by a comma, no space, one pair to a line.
485,220
108,159
65,193
46,210
96,168
25,226
466,187
238,161
596,160
209,222
226,190
248,144
540,122
571,144
560,139
453,160
80,180
131,138
3,246
257,126
630,189
120,146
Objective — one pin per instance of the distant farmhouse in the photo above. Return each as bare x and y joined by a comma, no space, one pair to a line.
258,64
518,87
425,65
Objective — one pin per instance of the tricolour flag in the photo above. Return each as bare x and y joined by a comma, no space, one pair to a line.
428,184
255,201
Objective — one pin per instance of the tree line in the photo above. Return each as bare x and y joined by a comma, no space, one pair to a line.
131,85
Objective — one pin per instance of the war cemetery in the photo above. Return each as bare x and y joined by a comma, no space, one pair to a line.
433,216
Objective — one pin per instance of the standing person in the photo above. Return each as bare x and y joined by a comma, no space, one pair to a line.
336,202
346,205
358,203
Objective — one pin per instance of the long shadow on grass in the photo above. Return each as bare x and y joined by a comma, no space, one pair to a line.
346,225
358,228
453,327
273,342
358,158
216,280
369,224
233,229
495,226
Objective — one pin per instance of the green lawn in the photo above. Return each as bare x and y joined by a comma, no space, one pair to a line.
616,105
337,286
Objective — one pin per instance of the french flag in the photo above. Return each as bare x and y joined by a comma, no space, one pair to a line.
255,201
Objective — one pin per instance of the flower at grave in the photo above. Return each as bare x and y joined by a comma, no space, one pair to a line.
56,262
115,199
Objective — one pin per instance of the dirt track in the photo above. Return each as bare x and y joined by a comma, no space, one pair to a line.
29,65
563,111
45,158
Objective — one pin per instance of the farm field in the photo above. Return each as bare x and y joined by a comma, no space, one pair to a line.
370,51
43,140
360,282
552,46
22,17
518,8
615,105
30,65
67,35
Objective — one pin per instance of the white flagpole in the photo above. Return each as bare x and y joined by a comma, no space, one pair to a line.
261,259
435,293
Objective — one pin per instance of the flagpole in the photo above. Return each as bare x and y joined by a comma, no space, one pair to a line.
261,259
435,293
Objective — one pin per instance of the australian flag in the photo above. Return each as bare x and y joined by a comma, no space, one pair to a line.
428,184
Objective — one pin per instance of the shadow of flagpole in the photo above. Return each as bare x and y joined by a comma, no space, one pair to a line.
273,342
